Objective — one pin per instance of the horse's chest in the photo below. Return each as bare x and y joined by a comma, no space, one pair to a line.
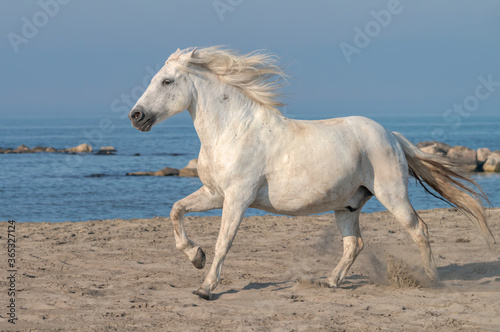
228,168
209,172
206,172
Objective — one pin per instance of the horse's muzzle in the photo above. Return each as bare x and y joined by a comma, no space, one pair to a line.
140,119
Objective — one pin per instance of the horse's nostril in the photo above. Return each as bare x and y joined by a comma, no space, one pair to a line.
136,115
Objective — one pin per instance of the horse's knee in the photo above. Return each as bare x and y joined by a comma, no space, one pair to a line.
177,211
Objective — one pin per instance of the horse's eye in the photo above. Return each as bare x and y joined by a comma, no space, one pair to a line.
166,82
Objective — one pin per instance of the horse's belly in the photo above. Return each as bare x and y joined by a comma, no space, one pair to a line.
294,199
295,209
312,175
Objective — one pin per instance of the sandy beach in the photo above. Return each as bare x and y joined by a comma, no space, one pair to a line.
126,275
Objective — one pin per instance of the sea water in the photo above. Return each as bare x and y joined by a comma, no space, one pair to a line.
58,187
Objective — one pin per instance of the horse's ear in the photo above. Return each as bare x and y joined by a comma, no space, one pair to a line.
193,52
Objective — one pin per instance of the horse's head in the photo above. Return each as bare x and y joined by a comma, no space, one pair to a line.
169,93
174,87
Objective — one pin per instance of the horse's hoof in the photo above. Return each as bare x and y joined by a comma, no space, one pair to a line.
433,276
333,283
202,294
199,259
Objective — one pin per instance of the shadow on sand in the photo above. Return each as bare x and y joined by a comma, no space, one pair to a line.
254,286
470,271
352,282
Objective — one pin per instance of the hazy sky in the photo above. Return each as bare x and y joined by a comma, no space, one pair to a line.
373,58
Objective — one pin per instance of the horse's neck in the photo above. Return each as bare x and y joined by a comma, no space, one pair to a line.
221,110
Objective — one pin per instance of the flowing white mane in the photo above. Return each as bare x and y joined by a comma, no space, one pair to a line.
255,74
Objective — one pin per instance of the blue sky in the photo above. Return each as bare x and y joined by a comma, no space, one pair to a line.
422,59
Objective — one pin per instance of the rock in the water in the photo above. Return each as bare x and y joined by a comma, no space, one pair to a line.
482,155
433,149
193,163
438,147
39,149
22,149
188,172
464,157
492,164
140,174
167,171
106,150
82,148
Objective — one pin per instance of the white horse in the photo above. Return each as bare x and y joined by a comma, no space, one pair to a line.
253,156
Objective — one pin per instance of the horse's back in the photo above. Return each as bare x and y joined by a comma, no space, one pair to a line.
362,135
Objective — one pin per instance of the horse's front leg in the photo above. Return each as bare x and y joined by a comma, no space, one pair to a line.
232,214
199,201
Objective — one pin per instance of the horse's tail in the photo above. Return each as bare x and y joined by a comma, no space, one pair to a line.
455,188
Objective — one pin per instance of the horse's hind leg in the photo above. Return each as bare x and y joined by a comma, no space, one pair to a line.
400,207
348,224
199,201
